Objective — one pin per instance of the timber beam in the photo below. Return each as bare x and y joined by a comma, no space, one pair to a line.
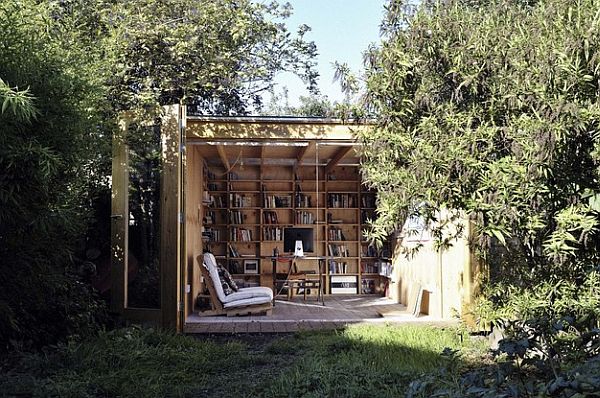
336,158
223,157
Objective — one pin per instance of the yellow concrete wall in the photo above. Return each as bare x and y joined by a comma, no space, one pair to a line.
441,273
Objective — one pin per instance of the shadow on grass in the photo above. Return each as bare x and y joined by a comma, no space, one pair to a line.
356,361
359,361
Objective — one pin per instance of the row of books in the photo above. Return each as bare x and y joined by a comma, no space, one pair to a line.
369,268
335,233
368,286
210,217
270,217
273,233
211,234
212,200
236,217
233,252
369,251
274,201
303,200
367,201
338,250
341,200
240,234
304,217
336,267
385,268
238,200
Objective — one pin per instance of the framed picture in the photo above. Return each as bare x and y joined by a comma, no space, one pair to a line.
250,266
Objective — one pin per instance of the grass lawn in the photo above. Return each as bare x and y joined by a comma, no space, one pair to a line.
359,361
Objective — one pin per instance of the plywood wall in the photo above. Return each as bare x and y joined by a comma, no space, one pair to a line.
445,274
193,222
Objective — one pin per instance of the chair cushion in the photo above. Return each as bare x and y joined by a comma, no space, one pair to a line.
247,301
226,278
211,264
249,292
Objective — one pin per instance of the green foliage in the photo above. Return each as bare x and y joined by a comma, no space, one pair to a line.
312,106
506,379
45,140
309,106
557,322
489,110
551,344
216,56
67,69
492,110
18,103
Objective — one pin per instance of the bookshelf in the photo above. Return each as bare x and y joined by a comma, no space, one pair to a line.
247,208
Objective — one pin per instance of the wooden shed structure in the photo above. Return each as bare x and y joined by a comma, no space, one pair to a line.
234,185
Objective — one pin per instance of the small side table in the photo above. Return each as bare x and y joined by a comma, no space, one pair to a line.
305,284
314,281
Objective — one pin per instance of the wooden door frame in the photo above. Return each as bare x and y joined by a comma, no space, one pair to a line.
170,314
172,241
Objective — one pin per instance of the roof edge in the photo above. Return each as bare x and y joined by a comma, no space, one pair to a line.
277,119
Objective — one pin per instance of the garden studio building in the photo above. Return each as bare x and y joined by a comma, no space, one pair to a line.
234,187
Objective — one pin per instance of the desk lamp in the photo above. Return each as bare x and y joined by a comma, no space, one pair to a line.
299,251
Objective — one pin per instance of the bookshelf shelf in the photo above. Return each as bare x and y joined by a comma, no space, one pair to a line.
291,196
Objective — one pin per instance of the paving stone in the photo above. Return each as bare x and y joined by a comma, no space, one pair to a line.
266,327
227,328
254,327
241,327
281,327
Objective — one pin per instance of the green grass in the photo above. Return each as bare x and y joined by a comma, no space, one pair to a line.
355,362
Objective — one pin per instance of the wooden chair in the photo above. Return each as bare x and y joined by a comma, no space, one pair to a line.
250,300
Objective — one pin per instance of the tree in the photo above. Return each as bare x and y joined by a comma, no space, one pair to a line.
218,57
79,64
45,142
309,106
491,109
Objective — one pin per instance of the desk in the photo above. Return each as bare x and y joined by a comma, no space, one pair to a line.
298,281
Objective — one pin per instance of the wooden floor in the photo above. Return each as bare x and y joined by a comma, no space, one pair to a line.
291,316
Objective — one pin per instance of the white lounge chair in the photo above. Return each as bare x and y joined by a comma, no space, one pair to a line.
248,300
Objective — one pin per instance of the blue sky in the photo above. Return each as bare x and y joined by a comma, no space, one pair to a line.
342,30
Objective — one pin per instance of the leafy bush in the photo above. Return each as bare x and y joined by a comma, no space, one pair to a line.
45,149
551,346
553,325
489,109
505,379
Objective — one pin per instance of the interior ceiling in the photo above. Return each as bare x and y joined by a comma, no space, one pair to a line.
279,152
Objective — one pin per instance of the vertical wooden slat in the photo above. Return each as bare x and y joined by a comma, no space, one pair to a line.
194,187
119,218
170,255
182,264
